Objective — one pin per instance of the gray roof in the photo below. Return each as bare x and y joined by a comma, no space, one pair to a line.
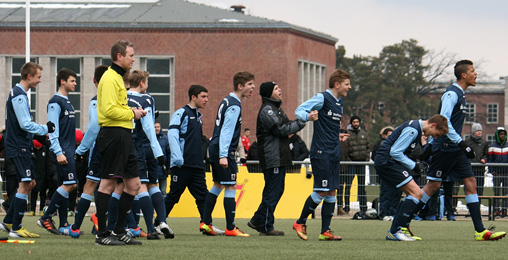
171,14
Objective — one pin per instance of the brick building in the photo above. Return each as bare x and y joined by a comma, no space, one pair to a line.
178,42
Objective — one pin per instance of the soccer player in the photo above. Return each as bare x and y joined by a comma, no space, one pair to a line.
447,158
393,165
19,130
115,145
63,146
273,129
226,135
88,143
144,133
187,162
325,109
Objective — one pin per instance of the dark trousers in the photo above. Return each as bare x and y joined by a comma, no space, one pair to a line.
450,203
479,175
272,192
389,199
345,179
359,171
500,188
187,177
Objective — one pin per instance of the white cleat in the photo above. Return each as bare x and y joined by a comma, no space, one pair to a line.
399,236
163,228
218,231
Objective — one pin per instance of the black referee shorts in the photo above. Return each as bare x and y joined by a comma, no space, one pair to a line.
118,159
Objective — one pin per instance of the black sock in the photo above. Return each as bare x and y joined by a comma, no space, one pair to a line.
124,208
102,204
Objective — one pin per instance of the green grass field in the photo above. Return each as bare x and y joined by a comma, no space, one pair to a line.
362,239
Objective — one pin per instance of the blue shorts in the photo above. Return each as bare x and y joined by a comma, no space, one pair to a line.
141,161
24,165
449,163
151,165
326,174
94,168
67,173
393,173
225,176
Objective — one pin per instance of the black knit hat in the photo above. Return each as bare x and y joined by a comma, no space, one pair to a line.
266,89
353,118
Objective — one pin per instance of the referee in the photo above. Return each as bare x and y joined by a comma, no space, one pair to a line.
115,145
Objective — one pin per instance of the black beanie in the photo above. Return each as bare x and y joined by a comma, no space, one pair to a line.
266,89
353,118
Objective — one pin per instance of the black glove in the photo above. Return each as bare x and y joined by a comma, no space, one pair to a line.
156,114
51,127
467,150
243,160
160,160
426,153
78,158
420,167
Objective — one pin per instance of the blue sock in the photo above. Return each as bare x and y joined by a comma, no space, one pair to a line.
158,203
146,207
310,205
211,199
19,204
473,204
63,208
405,214
131,222
113,210
327,212
136,210
55,202
230,208
10,214
81,209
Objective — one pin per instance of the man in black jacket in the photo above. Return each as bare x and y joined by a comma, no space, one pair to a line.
481,149
272,130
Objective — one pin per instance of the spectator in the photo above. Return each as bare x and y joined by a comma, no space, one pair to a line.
358,150
253,156
162,170
299,152
481,148
498,153
344,179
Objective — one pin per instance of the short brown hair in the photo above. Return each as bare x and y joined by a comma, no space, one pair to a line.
241,78
338,76
441,122
136,76
29,68
120,47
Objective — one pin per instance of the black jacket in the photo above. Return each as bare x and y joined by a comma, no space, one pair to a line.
272,130
480,147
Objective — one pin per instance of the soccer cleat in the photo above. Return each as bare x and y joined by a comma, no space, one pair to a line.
329,236
218,231
126,239
164,229
409,233
6,227
143,233
95,221
489,234
108,240
450,218
301,230
207,229
236,232
49,225
134,232
69,232
22,232
255,226
32,213
274,232
399,236
152,236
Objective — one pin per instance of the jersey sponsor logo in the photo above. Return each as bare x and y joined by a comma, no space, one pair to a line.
28,173
175,178
405,173
439,174
324,183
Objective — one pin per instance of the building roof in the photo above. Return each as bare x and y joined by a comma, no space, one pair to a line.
167,14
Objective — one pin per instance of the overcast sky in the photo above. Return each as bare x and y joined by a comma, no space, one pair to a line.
476,30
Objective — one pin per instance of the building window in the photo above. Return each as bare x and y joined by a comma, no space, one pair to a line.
492,113
470,110
17,63
73,64
491,139
311,80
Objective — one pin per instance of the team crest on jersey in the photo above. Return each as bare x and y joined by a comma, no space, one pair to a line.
405,173
66,113
329,113
439,174
175,178
324,183
413,145
28,173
